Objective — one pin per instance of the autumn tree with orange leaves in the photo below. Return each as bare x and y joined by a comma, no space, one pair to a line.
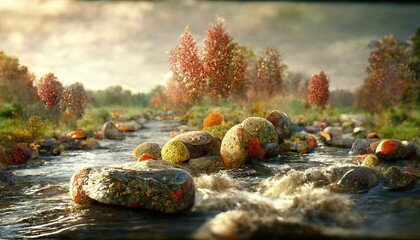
318,93
188,81
390,75
224,63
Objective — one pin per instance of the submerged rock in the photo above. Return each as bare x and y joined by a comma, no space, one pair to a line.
359,180
362,146
153,185
206,165
76,144
335,136
395,179
151,148
50,146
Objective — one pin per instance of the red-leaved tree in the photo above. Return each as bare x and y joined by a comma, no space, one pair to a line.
318,92
224,64
74,97
187,68
389,75
16,82
50,90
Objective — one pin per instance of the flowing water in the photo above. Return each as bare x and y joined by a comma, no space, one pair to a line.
273,199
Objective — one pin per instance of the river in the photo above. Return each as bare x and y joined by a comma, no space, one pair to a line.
264,199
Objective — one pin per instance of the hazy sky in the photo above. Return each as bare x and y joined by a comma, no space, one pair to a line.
126,43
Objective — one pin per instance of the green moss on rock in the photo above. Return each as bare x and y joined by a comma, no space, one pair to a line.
175,151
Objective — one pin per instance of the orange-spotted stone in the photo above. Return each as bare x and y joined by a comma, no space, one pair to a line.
213,118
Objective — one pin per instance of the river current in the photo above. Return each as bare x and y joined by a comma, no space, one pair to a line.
266,199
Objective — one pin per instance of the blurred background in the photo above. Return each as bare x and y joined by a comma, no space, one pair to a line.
107,43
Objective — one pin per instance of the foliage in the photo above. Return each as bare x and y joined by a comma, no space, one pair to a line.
297,84
269,70
187,68
117,96
342,98
224,62
398,123
74,97
318,92
389,76
16,82
34,124
10,110
416,46
50,90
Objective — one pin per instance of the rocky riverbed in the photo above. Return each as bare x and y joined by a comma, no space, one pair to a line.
292,195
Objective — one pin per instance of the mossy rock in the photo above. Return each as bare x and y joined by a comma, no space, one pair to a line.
371,161
151,148
153,185
218,131
175,151
261,128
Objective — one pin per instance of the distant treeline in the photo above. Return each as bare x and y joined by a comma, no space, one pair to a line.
116,95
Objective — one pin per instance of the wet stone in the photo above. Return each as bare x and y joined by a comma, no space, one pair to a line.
303,143
359,180
371,161
153,185
362,146
232,150
271,150
110,131
391,149
151,148
396,180
175,151
206,165
260,128
281,123
199,143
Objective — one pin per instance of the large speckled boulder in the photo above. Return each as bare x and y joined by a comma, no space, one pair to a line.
199,143
281,123
391,149
247,141
151,148
260,128
175,151
109,131
359,180
233,148
153,185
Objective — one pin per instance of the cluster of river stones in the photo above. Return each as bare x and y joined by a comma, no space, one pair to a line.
161,180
